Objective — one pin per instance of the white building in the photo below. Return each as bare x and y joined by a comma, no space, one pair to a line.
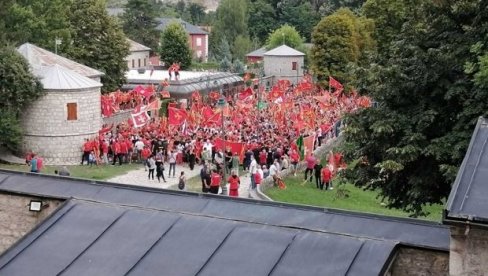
139,55
284,62
56,125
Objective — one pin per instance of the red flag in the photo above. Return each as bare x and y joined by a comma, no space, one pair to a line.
308,144
336,85
165,94
246,93
195,96
105,129
140,119
276,92
176,116
214,95
154,105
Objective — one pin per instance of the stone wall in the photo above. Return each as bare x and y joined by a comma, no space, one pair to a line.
16,219
116,118
468,251
414,261
48,132
136,57
281,67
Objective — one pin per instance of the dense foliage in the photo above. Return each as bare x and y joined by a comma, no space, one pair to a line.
18,88
285,35
139,22
429,80
98,42
339,41
174,46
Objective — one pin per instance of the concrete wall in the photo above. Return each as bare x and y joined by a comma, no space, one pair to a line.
48,132
414,261
281,67
468,251
134,58
119,117
16,219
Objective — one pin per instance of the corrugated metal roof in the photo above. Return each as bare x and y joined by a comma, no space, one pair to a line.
38,57
91,238
189,28
468,198
257,53
137,47
283,50
56,77
410,232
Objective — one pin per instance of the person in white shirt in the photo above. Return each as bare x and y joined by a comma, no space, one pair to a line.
253,168
139,145
172,163
274,170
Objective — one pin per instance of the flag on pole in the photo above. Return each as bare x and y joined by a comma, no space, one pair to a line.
336,85
140,119
176,116
299,144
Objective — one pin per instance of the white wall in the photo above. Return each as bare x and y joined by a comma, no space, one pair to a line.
135,56
281,67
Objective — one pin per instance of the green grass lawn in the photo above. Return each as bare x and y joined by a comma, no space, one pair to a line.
102,172
357,200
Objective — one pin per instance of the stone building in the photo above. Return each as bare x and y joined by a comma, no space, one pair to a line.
56,125
467,209
139,55
284,62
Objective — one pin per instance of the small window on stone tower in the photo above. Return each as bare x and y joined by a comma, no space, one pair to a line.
294,65
72,111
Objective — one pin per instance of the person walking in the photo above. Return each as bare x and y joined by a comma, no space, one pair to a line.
234,183
172,163
151,164
318,179
215,182
253,167
205,176
295,158
311,161
160,171
326,177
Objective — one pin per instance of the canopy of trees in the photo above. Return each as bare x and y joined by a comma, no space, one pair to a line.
174,46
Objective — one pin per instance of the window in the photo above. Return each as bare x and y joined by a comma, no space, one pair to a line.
199,54
133,64
294,65
72,111
145,62
139,63
199,41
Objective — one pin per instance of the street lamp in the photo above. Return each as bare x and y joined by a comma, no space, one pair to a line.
221,103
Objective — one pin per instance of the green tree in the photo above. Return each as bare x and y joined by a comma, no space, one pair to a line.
238,67
174,46
299,15
98,42
242,46
225,65
231,21
196,13
139,22
263,18
425,81
18,88
287,35
39,22
339,40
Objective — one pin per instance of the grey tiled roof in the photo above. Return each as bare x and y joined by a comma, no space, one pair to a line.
469,194
257,53
189,28
283,50
38,57
56,77
137,47
115,229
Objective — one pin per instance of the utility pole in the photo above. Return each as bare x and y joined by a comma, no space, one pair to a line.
221,104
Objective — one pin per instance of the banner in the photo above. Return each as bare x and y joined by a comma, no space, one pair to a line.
234,147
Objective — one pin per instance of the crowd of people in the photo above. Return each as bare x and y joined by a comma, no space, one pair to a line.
265,127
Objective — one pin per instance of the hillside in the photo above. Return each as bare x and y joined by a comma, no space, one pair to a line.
209,4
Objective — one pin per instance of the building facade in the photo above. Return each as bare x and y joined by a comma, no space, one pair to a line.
56,125
284,62
139,55
197,38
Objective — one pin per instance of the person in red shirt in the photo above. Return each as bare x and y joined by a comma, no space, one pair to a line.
145,153
311,161
234,183
326,176
295,158
117,152
123,150
105,152
215,180
263,157
87,147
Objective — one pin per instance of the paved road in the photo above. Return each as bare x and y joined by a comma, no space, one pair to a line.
139,178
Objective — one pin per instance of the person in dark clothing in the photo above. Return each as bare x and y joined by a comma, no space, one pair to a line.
318,180
247,159
160,171
205,177
191,159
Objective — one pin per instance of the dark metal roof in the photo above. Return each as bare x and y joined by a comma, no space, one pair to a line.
189,28
409,232
468,198
91,238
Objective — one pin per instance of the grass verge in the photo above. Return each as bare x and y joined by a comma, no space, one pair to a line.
356,200
102,172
